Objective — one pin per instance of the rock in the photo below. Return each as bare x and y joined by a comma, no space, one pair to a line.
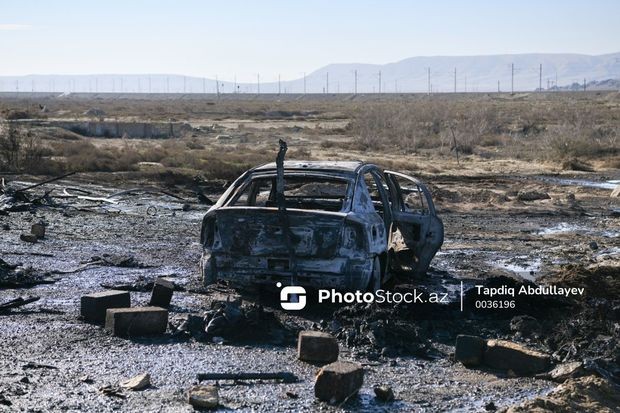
616,192
223,137
162,293
490,407
203,397
141,381
38,230
524,324
338,381
28,238
565,371
524,195
469,349
94,306
384,393
506,355
593,245
315,346
138,321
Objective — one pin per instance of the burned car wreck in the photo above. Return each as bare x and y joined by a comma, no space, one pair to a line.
347,225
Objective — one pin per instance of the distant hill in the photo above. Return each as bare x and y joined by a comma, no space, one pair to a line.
473,74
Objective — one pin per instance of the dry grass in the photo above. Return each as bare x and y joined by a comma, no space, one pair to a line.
570,129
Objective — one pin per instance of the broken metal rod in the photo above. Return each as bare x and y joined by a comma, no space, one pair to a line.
45,182
285,376
287,233
18,302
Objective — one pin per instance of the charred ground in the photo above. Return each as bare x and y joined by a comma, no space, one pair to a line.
516,208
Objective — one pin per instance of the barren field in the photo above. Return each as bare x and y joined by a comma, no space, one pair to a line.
523,184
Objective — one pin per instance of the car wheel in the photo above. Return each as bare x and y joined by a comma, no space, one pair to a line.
374,283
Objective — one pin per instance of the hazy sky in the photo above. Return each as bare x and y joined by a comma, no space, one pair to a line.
227,37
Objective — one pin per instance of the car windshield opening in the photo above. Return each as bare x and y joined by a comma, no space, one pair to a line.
301,192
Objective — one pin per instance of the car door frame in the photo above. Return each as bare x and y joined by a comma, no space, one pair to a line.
431,227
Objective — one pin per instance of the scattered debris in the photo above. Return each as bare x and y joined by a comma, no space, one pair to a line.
584,394
112,391
162,293
94,306
384,393
14,276
137,321
317,347
18,302
139,382
283,376
525,325
203,397
337,382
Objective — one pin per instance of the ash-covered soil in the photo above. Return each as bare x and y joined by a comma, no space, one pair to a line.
50,360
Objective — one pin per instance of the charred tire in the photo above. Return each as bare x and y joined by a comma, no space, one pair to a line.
374,283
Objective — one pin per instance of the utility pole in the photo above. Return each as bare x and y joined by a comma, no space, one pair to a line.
429,80
279,85
455,80
540,78
235,83
217,86
512,78
327,82
379,81
356,81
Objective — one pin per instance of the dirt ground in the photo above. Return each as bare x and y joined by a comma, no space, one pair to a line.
53,361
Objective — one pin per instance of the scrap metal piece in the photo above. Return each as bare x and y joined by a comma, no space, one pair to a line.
284,220
285,376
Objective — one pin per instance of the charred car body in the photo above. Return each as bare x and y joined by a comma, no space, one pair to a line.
350,224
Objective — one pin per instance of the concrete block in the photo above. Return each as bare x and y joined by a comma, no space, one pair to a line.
38,230
506,355
317,347
137,321
338,381
94,306
469,349
162,293
203,397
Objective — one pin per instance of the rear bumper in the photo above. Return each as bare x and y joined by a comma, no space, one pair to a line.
338,272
